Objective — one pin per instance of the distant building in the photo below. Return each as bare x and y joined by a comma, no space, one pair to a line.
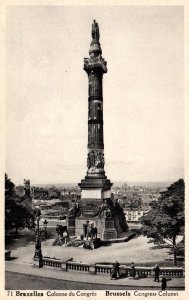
55,214
135,209
134,214
52,209
53,203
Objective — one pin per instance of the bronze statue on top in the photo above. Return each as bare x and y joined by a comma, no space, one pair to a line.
95,31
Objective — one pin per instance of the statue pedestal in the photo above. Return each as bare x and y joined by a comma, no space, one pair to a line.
95,191
71,226
105,228
84,220
109,231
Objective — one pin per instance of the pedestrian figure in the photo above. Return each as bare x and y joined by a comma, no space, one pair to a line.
157,272
117,265
115,271
163,283
88,235
133,270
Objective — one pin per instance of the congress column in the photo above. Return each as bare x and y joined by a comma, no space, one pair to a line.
95,66
95,187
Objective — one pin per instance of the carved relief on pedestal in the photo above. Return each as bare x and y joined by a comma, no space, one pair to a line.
95,161
90,210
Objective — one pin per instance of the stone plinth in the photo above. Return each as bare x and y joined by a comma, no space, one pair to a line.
71,226
109,231
82,222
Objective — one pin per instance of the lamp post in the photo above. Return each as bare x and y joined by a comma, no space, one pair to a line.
45,227
38,253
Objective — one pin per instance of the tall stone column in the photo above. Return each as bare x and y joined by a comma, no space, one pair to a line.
95,187
95,66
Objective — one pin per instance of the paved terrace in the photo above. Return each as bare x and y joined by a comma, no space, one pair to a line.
137,250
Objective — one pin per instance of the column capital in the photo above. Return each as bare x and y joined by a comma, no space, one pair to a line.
96,63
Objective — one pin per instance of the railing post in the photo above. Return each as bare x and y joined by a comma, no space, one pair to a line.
64,266
92,269
123,271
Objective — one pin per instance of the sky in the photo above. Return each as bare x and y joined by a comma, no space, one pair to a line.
47,92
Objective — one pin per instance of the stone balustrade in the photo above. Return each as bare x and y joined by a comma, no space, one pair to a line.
76,266
105,269
52,262
148,271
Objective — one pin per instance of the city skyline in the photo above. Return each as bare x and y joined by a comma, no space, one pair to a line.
46,116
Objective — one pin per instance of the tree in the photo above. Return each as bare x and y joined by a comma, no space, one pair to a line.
16,214
165,221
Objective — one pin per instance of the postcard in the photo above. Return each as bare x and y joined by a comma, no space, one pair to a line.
94,165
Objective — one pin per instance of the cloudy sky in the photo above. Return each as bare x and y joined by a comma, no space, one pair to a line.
47,89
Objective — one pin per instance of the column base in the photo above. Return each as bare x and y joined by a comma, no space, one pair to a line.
95,182
109,231
109,234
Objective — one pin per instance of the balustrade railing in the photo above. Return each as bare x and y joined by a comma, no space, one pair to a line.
172,272
141,271
77,266
102,269
51,262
